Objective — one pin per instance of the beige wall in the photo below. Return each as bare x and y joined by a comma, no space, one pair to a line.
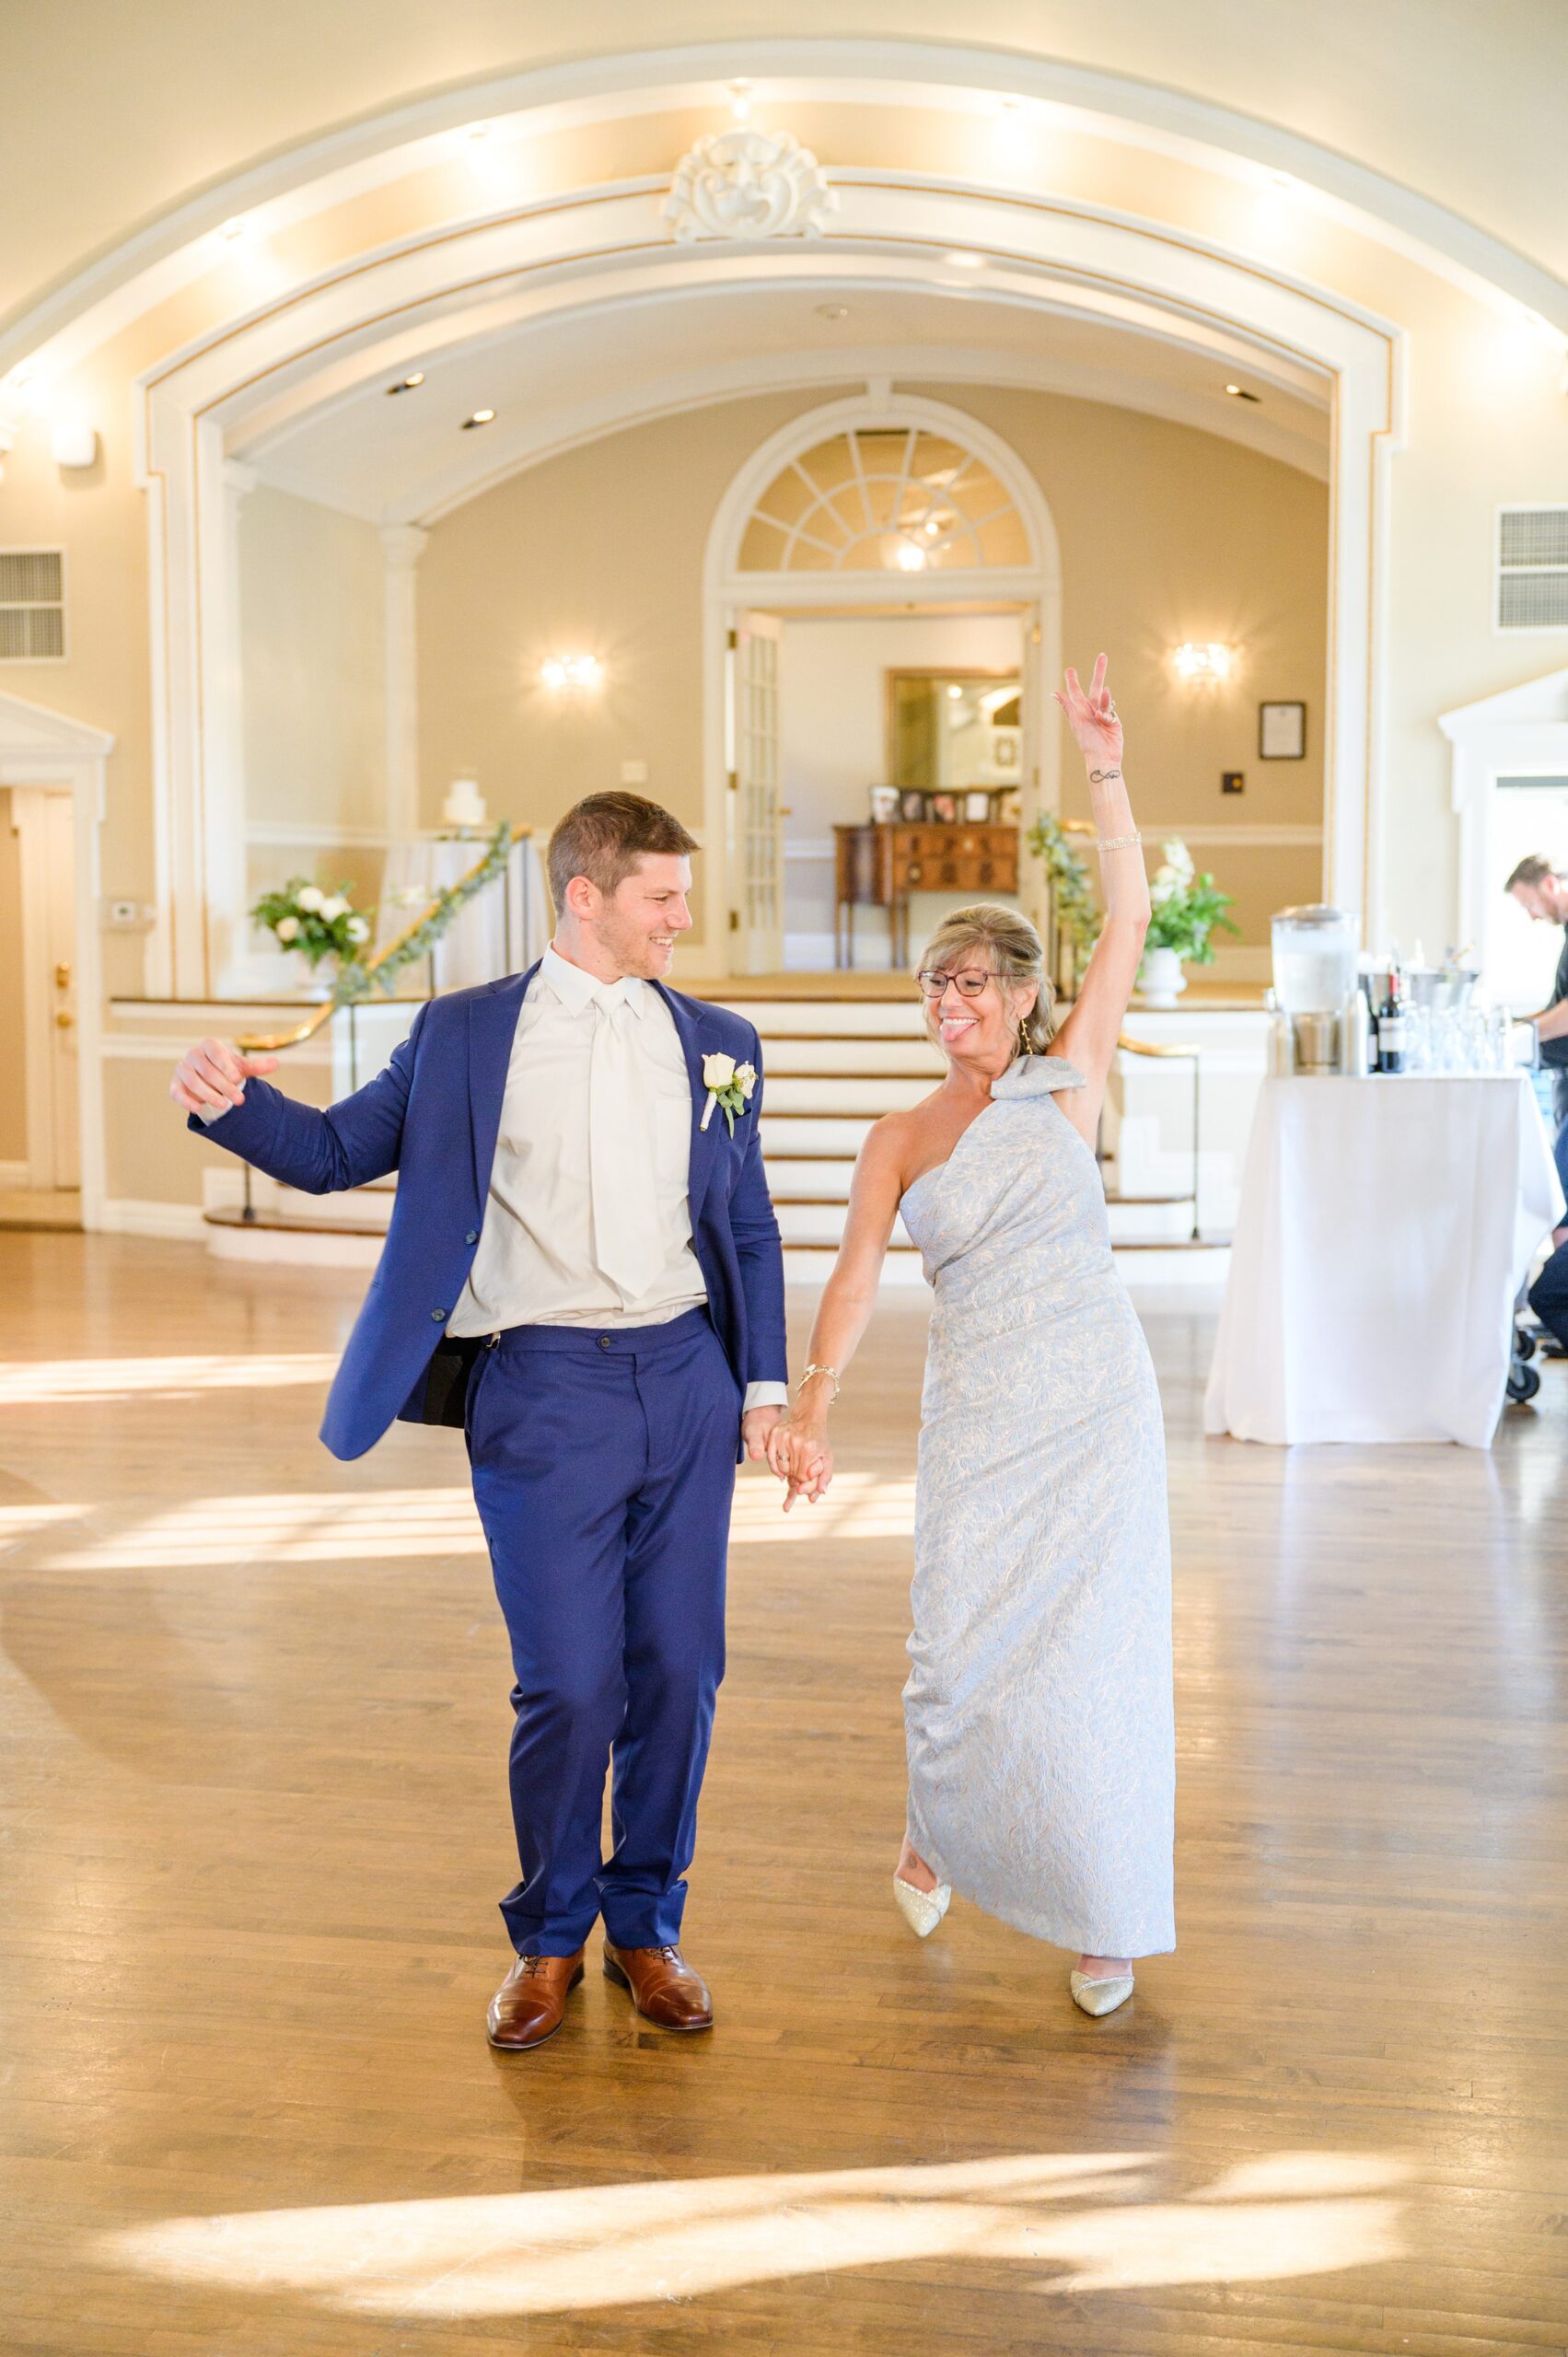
1167,534
12,1045
600,553
312,617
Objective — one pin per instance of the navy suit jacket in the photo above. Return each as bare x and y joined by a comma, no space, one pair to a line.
433,1116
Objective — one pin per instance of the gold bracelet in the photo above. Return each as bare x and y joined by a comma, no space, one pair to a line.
815,1369
1118,842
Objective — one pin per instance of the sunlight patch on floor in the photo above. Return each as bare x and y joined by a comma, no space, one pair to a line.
1083,2219
30,1382
377,1526
858,1505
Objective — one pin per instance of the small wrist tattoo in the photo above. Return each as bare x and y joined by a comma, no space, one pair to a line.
1102,777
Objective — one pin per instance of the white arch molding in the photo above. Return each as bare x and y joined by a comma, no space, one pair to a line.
607,246
727,592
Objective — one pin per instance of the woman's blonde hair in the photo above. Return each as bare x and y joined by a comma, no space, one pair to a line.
1010,946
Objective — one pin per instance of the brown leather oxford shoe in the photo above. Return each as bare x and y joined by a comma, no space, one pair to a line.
663,1986
531,2002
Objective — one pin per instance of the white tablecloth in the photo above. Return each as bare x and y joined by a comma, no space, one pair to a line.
1385,1228
501,929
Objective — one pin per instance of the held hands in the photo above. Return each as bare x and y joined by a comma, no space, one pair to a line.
211,1078
1093,719
800,1456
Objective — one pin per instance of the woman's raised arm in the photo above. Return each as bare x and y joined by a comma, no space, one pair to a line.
1088,1036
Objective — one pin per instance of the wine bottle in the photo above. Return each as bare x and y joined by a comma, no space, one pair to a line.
1391,1024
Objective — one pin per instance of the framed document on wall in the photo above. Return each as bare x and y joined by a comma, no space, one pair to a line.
1282,732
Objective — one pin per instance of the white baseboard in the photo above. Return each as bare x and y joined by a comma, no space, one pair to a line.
134,1216
16,1174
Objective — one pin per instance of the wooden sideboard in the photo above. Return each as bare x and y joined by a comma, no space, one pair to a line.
878,865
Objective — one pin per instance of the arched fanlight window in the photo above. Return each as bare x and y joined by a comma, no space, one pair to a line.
884,499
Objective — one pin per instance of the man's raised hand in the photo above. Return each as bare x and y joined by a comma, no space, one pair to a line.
211,1078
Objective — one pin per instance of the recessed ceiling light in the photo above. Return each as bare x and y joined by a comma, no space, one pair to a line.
832,310
1240,393
480,417
407,384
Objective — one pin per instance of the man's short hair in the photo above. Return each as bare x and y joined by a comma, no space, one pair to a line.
603,838
1532,869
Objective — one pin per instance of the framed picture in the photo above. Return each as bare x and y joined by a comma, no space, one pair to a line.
1006,748
911,806
1282,732
976,806
884,804
945,807
1010,806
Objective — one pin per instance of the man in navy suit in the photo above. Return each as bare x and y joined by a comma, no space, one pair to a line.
583,1263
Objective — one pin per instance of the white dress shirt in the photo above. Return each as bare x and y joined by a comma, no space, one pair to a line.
535,1264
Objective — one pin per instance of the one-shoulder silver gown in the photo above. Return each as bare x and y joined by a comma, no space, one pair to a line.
1038,1711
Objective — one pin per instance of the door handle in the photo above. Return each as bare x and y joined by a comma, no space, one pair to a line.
64,1018
62,977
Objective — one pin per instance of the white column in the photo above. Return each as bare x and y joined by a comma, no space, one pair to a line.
225,799
401,548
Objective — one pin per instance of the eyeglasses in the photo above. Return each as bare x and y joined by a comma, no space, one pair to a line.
932,981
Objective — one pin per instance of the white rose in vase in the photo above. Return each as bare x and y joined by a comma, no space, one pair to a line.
312,900
286,928
358,930
333,908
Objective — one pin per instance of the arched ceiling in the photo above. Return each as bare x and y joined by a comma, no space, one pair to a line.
408,457
116,118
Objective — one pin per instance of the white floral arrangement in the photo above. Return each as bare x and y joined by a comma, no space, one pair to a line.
729,1087
1185,906
319,925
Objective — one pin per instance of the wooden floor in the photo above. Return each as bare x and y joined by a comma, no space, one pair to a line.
254,1719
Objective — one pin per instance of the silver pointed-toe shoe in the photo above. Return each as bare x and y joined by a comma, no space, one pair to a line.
1098,1997
921,1909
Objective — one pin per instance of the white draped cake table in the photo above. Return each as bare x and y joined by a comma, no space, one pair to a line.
1385,1228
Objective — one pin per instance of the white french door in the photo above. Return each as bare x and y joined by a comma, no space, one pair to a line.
756,846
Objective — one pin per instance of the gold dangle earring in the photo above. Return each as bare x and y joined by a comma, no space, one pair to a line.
1023,1035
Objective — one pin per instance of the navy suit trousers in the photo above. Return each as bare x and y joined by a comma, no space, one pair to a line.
603,1470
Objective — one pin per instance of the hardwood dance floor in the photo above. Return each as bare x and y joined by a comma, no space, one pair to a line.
254,1721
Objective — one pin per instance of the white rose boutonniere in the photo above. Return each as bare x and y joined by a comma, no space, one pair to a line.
729,1086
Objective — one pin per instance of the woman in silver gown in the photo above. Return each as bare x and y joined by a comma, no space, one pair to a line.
1038,1709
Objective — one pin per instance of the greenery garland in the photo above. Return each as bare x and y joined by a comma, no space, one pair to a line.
1079,916
354,979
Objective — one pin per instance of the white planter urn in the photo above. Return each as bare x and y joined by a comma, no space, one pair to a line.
1160,978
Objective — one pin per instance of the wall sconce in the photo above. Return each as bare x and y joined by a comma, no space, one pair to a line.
73,443
1204,666
572,674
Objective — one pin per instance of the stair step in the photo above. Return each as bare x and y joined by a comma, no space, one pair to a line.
868,1093
830,1018
290,1237
837,1135
853,1059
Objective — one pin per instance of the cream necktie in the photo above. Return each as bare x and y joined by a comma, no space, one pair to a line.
628,1248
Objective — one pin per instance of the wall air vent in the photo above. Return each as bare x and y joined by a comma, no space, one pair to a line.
33,606
1532,568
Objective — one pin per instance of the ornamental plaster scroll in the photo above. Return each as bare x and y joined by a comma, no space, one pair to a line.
748,185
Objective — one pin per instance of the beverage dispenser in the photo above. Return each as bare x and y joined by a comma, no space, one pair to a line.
1314,972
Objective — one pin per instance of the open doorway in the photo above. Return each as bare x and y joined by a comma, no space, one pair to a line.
878,537
900,763
40,1160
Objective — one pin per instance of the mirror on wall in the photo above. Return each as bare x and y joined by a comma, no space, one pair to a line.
949,729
